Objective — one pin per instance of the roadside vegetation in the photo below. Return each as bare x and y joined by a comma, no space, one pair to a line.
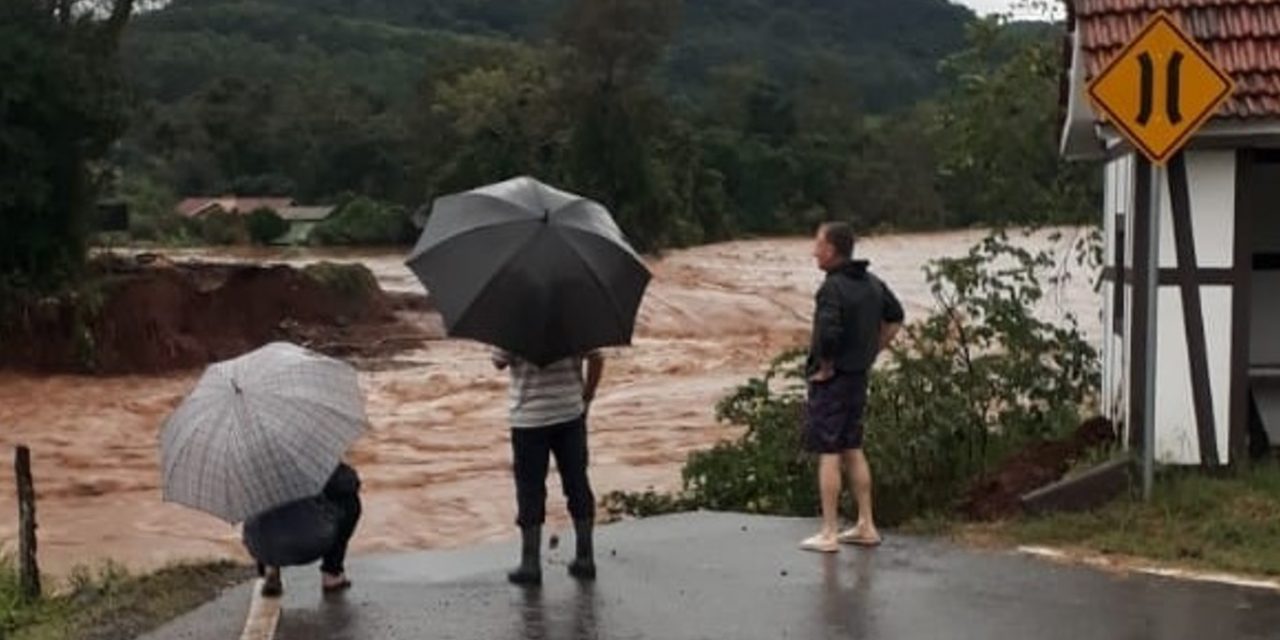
976,380
1216,522
110,603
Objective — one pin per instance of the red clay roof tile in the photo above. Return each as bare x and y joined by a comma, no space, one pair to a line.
1243,36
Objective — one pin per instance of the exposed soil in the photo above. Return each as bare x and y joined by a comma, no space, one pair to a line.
997,496
149,315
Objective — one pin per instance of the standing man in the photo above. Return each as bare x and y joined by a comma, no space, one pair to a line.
856,317
548,416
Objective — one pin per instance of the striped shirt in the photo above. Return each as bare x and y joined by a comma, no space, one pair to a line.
543,396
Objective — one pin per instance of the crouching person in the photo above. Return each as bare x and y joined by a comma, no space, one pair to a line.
301,532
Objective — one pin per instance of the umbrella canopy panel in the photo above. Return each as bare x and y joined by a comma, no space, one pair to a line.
531,269
263,429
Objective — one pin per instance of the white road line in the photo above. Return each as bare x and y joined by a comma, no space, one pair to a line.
1104,562
264,615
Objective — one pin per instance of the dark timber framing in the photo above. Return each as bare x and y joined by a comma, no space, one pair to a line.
1189,277
1204,276
1192,310
1241,299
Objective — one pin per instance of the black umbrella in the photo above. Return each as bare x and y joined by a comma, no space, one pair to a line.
537,271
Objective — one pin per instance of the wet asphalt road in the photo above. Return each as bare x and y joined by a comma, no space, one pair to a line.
731,576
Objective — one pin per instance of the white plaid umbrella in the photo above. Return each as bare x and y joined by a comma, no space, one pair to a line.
260,430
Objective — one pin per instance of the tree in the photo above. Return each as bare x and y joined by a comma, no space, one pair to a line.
613,47
503,120
265,225
893,181
221,228
364,221
151,209
997,132
62,106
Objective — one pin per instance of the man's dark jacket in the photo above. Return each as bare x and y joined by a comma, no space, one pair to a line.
851,305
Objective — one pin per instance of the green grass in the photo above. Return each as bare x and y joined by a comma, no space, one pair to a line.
1228,523
110,604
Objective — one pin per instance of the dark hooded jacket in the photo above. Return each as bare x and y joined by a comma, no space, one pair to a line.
851,306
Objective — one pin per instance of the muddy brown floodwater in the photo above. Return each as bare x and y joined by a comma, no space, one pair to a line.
436,460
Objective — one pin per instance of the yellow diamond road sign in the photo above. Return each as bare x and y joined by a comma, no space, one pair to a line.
1160,89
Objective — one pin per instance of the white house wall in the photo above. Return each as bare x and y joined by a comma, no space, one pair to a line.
1176,435
1211,177
1117,200
1212,181
1123,387
1106,346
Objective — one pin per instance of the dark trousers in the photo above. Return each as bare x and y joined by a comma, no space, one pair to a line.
345,509
348,509
532,449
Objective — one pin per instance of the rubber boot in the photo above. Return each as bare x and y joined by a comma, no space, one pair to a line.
583,566
529,572
272,583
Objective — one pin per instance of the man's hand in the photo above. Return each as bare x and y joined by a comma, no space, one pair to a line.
595,371
826,371
888,332
500,359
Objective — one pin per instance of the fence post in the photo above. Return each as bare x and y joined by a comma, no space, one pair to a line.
29,569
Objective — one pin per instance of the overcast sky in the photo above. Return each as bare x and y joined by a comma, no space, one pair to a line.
985,7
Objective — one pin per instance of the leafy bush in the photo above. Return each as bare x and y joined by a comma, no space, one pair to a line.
265,225
364,221
219,228
352,281
152,216
979,377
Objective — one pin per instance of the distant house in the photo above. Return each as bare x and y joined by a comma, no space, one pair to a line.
199,207
302,221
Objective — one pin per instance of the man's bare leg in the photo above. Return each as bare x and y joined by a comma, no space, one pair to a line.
860,477
829,488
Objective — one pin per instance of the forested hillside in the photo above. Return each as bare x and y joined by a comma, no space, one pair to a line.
692,120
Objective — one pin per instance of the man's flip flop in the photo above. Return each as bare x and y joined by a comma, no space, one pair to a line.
854,538
337,587
820,544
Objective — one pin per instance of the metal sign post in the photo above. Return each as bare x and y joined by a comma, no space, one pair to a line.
1152,208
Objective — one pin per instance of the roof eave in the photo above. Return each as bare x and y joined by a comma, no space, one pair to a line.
1080,139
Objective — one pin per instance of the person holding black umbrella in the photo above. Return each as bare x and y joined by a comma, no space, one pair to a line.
548,411
547,278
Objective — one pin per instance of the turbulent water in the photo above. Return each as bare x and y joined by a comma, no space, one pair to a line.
436,460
